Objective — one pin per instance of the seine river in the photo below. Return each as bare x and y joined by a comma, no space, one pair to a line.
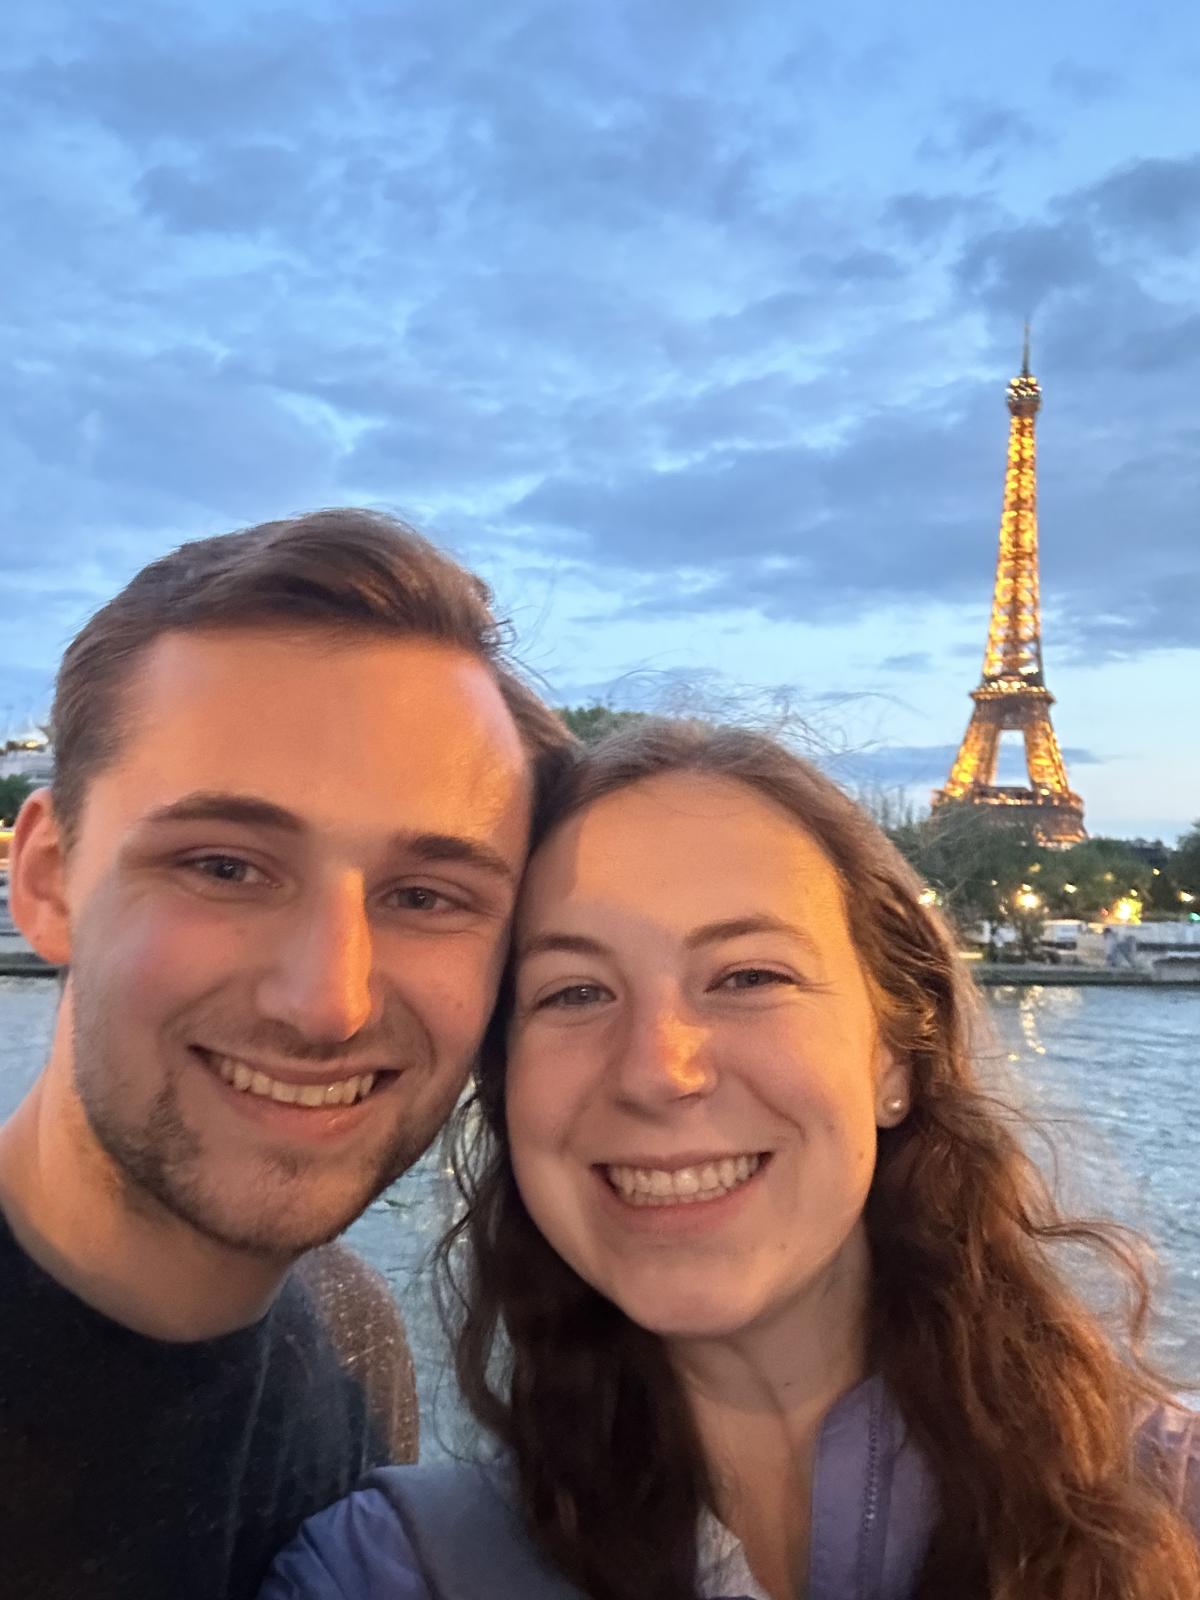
1114,1073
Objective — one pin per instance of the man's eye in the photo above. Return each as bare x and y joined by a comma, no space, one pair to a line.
418,897
574,995
226,869
753,978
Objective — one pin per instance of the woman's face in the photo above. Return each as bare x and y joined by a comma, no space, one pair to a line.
695,1073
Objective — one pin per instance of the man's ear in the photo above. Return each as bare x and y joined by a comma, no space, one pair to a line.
37,880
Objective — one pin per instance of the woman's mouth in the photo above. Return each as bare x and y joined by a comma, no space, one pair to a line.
683,1186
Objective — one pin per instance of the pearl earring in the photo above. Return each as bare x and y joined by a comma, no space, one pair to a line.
895,1106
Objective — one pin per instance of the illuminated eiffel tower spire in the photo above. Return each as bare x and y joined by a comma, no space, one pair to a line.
1012,692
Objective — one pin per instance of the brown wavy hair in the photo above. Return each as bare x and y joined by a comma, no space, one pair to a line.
1025,1409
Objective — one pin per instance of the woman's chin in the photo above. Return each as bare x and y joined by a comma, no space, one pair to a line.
696,1316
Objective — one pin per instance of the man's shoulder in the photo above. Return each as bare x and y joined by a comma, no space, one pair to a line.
342,1283
363,1323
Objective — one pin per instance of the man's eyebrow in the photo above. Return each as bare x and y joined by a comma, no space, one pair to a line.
209,805
214,806
435,847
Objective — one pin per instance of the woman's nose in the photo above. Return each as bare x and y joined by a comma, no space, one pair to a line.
665,1057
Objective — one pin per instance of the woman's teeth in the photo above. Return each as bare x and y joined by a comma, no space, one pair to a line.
655,1186
251,1081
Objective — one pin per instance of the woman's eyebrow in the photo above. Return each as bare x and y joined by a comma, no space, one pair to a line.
579,944
738,927
570,944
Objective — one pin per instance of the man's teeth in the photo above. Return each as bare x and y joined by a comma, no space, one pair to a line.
250,1081
655,1186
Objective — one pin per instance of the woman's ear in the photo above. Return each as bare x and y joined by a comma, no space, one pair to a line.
893,1089
37,880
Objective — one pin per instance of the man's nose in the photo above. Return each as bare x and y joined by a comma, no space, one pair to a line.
318,978
665,1057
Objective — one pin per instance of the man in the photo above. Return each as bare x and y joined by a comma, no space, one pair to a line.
293,791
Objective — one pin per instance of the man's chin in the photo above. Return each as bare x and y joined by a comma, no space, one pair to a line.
280,1242
272,1228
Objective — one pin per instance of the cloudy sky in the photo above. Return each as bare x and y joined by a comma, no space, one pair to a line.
688,322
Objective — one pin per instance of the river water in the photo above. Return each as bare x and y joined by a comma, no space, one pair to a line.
1113,1073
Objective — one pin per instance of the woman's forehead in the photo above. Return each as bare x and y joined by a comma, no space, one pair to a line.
703,842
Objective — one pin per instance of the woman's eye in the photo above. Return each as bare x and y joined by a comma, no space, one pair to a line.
573,995
226,869
753,978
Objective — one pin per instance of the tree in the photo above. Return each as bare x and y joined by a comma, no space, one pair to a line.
13,790
593,723
1085,880
977,862
1184,868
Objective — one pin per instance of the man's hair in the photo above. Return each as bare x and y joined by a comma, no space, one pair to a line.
343,572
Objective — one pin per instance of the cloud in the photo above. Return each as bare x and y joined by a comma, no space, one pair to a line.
793,529
246,188
904,766
589,287
1084,85
984,134
924,218
910,661
1153,201
1015,269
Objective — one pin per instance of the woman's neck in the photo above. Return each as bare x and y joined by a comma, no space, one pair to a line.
759,1397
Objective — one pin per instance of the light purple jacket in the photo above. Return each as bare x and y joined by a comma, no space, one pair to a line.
451,1533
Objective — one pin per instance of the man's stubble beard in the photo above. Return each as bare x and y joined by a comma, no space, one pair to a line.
159,1160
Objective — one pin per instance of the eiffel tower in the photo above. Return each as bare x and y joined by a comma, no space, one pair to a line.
1012,692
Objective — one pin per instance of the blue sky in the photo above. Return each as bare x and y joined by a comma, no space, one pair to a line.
688,324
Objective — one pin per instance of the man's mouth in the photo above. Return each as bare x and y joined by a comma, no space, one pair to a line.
315,1093
675,1186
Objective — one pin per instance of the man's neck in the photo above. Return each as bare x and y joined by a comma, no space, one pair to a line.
118,1249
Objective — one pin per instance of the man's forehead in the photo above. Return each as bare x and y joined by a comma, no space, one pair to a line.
312,724
323,682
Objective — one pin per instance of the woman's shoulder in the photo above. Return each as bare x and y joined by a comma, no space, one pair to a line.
400,1536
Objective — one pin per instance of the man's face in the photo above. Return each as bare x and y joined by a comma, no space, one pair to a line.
289,900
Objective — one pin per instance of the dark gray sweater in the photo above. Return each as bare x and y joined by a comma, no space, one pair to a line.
132,1469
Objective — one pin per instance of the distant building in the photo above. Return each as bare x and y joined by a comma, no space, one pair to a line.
28,755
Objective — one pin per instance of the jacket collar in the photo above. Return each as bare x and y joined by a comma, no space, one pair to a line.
873,1510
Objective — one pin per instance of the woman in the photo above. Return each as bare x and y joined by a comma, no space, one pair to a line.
755,1286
